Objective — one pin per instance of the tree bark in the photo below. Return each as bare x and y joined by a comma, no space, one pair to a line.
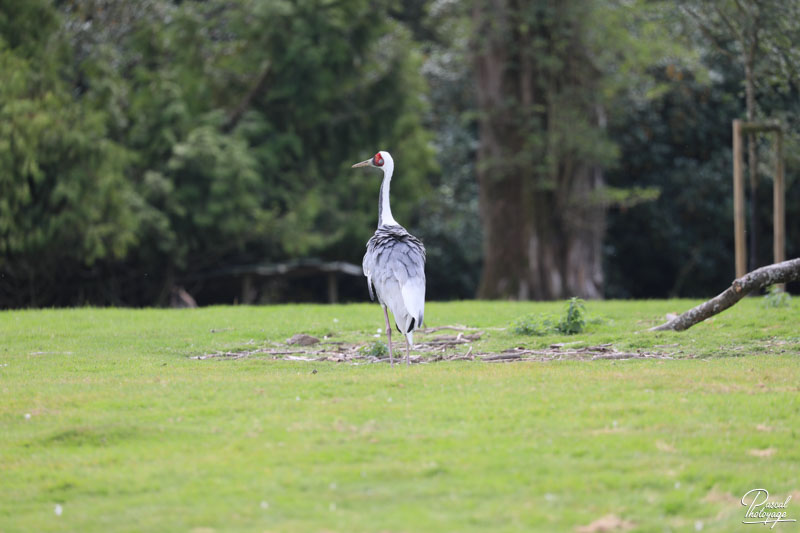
500,190
543,225
784,272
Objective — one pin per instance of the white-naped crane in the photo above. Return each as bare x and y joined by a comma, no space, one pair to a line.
394,264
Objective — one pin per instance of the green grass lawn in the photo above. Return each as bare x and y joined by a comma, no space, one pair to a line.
105,414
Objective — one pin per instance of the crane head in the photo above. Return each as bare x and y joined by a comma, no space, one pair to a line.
378,160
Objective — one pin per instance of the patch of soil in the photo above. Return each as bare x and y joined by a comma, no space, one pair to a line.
607,523
766,452
301,339
434,349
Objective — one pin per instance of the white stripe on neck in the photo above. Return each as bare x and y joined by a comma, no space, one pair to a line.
386,218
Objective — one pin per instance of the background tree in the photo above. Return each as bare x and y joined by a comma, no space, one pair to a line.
679,142
534,76
224,130
145,145
64,200
449,221
762,36
547,75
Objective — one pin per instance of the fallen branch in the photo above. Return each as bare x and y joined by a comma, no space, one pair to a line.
450,341
619,355
503,357
784,272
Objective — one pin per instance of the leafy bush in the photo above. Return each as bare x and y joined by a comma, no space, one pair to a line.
572,323
376,349
531,325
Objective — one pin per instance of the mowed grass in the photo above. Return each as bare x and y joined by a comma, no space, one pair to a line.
104,415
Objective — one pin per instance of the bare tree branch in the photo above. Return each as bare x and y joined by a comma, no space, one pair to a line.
258,87
705,30
731,26
741,8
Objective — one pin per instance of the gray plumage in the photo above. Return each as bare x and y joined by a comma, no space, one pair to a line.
395,264
395,269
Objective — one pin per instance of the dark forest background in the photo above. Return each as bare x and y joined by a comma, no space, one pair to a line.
543,149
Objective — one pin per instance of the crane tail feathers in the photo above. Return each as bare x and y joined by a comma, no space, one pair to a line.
371,289
414,299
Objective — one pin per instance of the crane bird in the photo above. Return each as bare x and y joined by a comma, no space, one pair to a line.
394,264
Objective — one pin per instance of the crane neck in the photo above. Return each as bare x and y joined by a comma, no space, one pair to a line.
385,217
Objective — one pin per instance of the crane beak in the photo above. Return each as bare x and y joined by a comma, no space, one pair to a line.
366,163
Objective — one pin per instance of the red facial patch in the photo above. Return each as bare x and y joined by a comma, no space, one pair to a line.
377,160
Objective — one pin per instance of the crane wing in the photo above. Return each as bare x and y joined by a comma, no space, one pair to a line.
395,269
408,268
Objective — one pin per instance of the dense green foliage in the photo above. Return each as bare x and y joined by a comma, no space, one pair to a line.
105,415
149,145
679,143
199,134
64,199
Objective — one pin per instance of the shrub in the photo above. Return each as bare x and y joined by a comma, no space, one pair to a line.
376,349
572,323
531,325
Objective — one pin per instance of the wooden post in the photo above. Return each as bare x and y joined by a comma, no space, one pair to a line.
738,201
778,193
779,204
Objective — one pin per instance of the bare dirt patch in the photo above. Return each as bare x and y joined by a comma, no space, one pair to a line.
766,452
432,349
607,523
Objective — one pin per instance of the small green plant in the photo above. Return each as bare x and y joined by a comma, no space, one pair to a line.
376,349
573,322
532,325
776,297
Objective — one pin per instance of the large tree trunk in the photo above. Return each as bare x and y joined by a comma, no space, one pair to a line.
543,222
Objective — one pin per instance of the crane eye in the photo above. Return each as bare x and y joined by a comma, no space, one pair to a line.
377,160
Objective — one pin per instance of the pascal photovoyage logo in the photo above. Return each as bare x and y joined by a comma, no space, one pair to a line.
760,510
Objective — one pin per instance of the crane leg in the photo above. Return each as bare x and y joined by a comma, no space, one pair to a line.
388,334
408,351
